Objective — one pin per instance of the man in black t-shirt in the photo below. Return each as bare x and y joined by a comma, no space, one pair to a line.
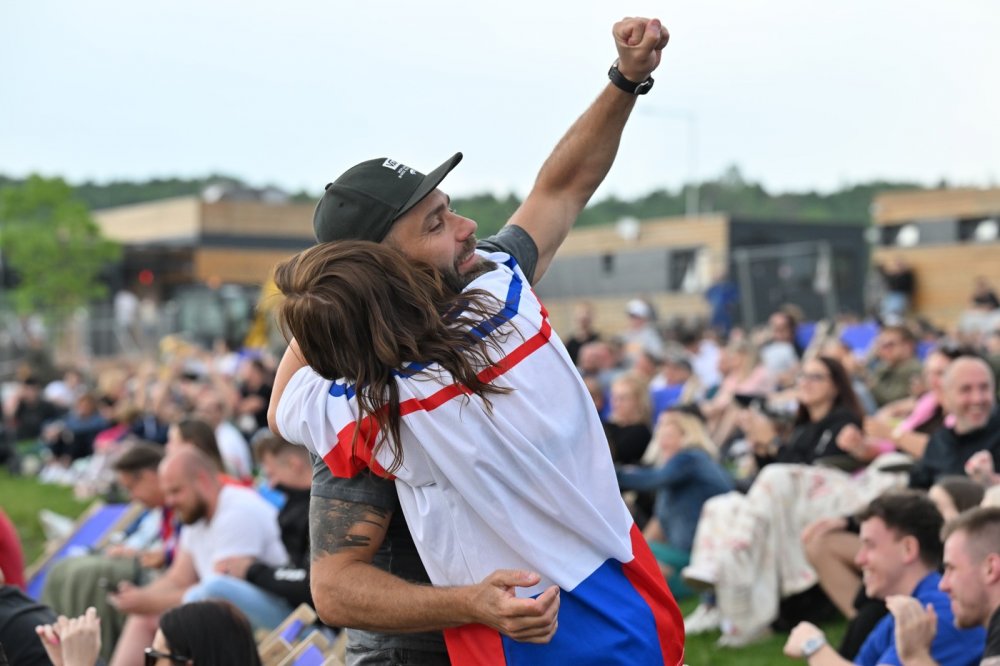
364,562
972,581
31,411
969,397
583,330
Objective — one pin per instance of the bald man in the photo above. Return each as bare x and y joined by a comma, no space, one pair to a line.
219,522
969,396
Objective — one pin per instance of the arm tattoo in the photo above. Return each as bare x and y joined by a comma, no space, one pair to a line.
332,525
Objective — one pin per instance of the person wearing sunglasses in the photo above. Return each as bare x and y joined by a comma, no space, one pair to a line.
203,633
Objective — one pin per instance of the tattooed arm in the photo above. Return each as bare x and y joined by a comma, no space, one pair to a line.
349,591
348,523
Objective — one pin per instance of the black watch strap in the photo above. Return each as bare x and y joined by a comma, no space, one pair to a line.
631,87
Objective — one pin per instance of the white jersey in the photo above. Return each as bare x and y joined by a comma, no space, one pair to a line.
529,485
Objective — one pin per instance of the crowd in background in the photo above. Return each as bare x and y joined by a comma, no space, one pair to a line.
224,502
764,444
743,454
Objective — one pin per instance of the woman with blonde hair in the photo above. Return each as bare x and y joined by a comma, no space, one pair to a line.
688,476
742,372
628,426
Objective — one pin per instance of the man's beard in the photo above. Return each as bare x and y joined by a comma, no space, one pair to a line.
198,511
458,282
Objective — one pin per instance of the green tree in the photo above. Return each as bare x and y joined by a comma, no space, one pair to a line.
53,247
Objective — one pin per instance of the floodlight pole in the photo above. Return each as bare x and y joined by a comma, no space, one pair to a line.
690,118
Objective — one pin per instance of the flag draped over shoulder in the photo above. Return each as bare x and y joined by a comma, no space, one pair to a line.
527,485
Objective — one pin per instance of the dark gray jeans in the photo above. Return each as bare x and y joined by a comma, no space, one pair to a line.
395,657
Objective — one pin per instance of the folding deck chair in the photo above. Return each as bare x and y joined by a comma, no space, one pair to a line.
277,645
92,531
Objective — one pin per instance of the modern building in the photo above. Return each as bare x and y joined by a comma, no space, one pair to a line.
819,266
189,240
206,259
948,238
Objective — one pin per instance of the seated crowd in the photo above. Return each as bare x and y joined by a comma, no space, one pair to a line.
775,453
780,480
182,440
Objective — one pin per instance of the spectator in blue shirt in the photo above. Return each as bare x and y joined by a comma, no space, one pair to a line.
900,554
686,477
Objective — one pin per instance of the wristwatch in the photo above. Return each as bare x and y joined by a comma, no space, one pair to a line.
631,87
813,645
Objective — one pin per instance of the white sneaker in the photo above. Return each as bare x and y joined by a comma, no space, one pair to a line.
55,526
702,619
731,640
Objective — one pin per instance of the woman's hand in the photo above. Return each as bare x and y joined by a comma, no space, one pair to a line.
81,640
75,642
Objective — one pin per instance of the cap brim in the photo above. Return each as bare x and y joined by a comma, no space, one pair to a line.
431,181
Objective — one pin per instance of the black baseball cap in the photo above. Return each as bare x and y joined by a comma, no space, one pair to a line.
366,199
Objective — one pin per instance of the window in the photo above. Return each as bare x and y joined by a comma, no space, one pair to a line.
908,236
683,271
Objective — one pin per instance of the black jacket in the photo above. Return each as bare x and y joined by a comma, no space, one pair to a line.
290,582
947,452
810,441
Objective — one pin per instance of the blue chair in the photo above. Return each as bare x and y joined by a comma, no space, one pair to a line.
278,645
92,531
804,333
310,652
860,337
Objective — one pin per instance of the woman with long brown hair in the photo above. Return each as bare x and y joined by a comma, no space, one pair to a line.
388,316
748,546
466,397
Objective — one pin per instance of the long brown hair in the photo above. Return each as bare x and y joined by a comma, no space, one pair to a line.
202,436
361,310
194,630
846,398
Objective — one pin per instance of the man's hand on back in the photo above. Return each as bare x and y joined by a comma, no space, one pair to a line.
527,620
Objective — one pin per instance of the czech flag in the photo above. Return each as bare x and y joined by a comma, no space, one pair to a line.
526,483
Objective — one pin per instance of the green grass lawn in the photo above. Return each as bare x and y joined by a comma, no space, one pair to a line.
701,650
22,497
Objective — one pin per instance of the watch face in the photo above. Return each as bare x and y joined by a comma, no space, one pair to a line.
812,645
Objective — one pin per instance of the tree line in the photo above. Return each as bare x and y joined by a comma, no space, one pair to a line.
52,252
730,192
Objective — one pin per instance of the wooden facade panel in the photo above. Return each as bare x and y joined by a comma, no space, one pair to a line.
239,266
167,220
945,275
252,218
899,207
708,230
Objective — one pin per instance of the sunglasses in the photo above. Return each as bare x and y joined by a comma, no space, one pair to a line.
152,656
813,377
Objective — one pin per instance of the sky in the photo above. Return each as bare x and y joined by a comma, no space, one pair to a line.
800,95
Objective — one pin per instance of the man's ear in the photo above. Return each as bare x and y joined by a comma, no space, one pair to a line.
991,568
911,548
